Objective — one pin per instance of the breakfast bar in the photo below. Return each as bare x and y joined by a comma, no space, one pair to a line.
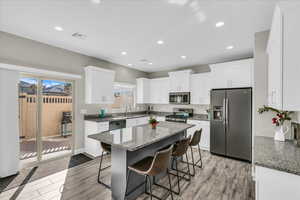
130,145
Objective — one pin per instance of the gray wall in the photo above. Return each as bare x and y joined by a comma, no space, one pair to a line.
262,122
20,51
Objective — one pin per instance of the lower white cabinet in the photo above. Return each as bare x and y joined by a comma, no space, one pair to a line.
160,118
136,121
92,147
276,185
205,137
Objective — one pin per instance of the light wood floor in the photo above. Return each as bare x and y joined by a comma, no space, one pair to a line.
219,179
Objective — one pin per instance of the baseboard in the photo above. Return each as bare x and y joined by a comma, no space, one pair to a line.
78,151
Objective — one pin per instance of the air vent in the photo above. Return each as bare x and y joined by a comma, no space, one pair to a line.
144,60
79,36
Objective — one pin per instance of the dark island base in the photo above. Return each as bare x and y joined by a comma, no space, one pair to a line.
122,158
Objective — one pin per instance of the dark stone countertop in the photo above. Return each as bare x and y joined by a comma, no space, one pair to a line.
118,116
137,137
283,156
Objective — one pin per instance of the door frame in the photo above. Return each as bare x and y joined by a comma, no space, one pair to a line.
39,112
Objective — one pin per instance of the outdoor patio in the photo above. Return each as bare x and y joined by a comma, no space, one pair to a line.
49,145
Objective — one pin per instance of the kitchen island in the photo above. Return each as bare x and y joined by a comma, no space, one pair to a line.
130,145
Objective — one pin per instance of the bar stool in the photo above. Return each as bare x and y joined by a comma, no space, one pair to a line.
106,148
196,142
180,149
152,166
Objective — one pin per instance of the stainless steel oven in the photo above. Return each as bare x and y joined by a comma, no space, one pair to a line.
179,97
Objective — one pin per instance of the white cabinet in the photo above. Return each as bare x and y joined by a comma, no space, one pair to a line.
276,185
160,118
200,88
283,69
205,137
154,91
99,85
159,91
180,81
143,90
92,147
136,121
232,74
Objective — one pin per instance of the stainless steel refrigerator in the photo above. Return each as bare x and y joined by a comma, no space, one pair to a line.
231,123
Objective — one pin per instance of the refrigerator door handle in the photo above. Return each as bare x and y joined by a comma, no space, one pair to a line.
227,111
224,111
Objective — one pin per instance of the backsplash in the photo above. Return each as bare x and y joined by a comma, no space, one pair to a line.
93,109
198,109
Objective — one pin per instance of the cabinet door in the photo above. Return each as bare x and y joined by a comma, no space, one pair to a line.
131,122
275,62
142,121
205,138
291,61
200,88
143,90
99,85
266,186
232,74
93,147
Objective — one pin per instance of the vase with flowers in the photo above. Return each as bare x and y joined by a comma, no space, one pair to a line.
278,120
153,122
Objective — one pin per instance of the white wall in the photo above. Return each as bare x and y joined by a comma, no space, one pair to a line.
9,129
262,122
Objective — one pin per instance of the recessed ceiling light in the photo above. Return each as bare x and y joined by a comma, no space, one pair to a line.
129,65
96,1
58,28
124,53
183,57
219,24
229,47
160,42
150,63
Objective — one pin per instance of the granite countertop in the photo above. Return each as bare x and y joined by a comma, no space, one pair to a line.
137,137
119,116
283,156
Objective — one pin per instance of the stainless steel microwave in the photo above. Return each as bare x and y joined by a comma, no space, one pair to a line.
179,97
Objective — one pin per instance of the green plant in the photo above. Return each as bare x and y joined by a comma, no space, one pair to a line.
281,115
152,121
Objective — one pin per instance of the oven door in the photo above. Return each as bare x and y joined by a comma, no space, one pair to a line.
179,98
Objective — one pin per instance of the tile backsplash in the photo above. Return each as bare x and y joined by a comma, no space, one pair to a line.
198,109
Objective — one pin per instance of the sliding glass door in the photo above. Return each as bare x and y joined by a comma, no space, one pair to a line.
46,122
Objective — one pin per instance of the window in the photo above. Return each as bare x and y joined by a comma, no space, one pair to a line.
124,96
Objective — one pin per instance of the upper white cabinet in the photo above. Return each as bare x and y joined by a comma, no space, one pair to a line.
180,81
232,74
283,47
200,88
99,85
143,90
159,91
153,90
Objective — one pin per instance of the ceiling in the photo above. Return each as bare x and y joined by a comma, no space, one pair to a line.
187,28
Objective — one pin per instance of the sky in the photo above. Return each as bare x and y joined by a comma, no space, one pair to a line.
46,83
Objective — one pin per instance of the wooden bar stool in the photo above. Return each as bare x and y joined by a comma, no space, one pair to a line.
196,142
150,167
180,149
106,148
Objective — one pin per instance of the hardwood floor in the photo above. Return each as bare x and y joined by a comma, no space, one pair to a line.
219,179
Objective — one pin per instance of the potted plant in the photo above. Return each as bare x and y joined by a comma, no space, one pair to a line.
153,122
278,120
